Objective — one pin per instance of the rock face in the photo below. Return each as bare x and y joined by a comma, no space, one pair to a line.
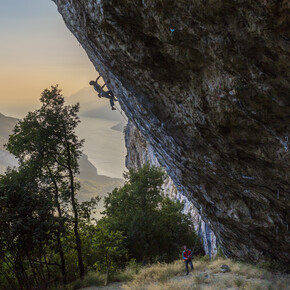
207,84
140,152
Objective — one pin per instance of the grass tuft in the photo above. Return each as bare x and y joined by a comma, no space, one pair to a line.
200,278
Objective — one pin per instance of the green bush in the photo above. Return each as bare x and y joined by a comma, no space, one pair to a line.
274,266
205,258
220,253
90,280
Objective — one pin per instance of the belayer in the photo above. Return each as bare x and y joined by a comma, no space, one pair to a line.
187,257
102,94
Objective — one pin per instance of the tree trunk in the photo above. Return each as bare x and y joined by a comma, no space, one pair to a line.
62,259
79,248
76,217
107,275
59,244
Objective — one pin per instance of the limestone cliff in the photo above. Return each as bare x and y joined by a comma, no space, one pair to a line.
206,82
140,152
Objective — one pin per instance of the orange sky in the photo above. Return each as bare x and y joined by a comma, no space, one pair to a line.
37,51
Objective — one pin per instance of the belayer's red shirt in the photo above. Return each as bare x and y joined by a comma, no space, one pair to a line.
187,255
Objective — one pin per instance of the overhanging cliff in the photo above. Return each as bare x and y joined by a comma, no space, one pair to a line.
207,84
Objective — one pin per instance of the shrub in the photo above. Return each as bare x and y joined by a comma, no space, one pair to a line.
128,273
91,279
220,253
274,266
200,278
205,258
239,282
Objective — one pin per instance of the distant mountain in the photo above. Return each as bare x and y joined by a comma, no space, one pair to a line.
93,185
6,126
91,106
6,159
119,127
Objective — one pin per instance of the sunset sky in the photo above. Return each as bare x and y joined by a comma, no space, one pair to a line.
37,51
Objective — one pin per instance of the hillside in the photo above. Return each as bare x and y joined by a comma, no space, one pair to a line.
207,275
119,127
6,126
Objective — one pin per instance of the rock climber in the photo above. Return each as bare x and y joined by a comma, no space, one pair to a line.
187,256
102,94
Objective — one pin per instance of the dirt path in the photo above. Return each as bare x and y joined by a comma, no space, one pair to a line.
111,286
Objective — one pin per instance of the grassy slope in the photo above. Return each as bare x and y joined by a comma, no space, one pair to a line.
206,275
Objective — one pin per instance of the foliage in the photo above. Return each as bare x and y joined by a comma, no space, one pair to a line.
205,258
274,266
40,215
109,248
27,222
133,268
154,226
48,237
91,279
220,253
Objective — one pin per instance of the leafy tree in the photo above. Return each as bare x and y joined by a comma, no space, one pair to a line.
46,138
154,225
109,247
26,223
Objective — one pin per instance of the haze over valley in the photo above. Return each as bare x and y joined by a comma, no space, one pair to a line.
102,164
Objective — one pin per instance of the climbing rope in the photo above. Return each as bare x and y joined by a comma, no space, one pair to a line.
121,112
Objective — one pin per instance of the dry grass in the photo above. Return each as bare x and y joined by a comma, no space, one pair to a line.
159,272
206,275
247,270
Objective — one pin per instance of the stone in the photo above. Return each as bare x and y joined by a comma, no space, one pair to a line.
229,155
225,268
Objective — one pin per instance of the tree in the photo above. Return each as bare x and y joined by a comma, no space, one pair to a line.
154,225
26,224
109,247
46,138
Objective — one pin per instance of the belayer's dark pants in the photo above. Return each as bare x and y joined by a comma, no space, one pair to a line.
112,102
186,265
